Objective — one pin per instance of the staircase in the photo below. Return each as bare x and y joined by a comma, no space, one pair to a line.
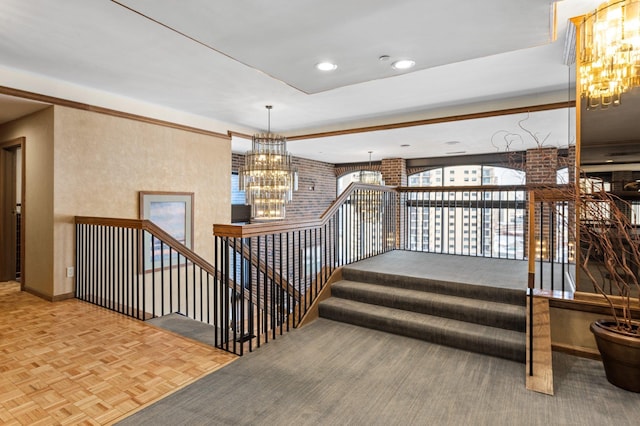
483,319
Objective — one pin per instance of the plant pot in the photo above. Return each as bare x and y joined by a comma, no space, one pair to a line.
620,353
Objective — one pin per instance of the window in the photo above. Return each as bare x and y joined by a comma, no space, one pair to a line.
562,176
345,180
237,196
491,175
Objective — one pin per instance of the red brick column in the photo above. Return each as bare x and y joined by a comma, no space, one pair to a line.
541,169
541,166
394,173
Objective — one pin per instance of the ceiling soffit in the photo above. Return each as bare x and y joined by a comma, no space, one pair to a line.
285,39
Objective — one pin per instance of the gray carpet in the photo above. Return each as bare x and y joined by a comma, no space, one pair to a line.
187,327
331,373
503,273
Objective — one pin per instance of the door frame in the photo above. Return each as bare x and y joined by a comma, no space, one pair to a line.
20,143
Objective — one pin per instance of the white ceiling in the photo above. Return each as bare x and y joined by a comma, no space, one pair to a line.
216,64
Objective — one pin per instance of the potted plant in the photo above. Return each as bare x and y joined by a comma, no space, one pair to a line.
610,260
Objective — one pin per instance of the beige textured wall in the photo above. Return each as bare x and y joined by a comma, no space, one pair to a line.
37,128
571,328
102,162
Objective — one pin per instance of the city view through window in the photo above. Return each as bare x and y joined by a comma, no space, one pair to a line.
474,222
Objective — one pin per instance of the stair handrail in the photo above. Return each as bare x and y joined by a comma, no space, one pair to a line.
153,229
246,230
161,234
273,275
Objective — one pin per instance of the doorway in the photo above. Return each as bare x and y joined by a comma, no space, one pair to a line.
12,210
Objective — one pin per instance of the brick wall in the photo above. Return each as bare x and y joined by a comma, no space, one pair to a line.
316,187
541,166
394,171
342,169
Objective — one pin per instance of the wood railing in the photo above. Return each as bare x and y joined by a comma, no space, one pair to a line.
551,272
282,267
267,276
136,268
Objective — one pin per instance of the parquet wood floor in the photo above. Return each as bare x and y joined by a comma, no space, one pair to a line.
71,362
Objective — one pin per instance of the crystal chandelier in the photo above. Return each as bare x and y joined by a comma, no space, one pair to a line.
369,176
610,54
268,177
368,202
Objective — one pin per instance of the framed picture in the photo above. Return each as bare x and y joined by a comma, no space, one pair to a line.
173,212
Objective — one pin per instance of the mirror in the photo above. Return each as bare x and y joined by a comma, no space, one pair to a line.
610,155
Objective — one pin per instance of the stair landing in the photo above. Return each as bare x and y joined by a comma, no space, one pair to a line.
474,304
501,273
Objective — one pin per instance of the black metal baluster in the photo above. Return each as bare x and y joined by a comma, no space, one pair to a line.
273,314
216,289
541,245
281,289
260,306
251,325
552,239
178,286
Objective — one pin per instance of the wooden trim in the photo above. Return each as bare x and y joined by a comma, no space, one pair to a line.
232,133
577,351
54,298
64,296
13,143
108,221
22,143
353,186
313,313
462,188
177,246
273,275
542,378
107,111
587,302
424,122
577,21
531,267
155,231
597,303
256,229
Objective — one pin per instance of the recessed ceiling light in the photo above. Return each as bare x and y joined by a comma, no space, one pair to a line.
452,142
609,161
405,145
403,64
326,66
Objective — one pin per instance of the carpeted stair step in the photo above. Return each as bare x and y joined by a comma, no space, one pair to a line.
493,341
500,315
472,291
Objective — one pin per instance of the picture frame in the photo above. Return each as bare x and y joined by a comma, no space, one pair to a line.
173,212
